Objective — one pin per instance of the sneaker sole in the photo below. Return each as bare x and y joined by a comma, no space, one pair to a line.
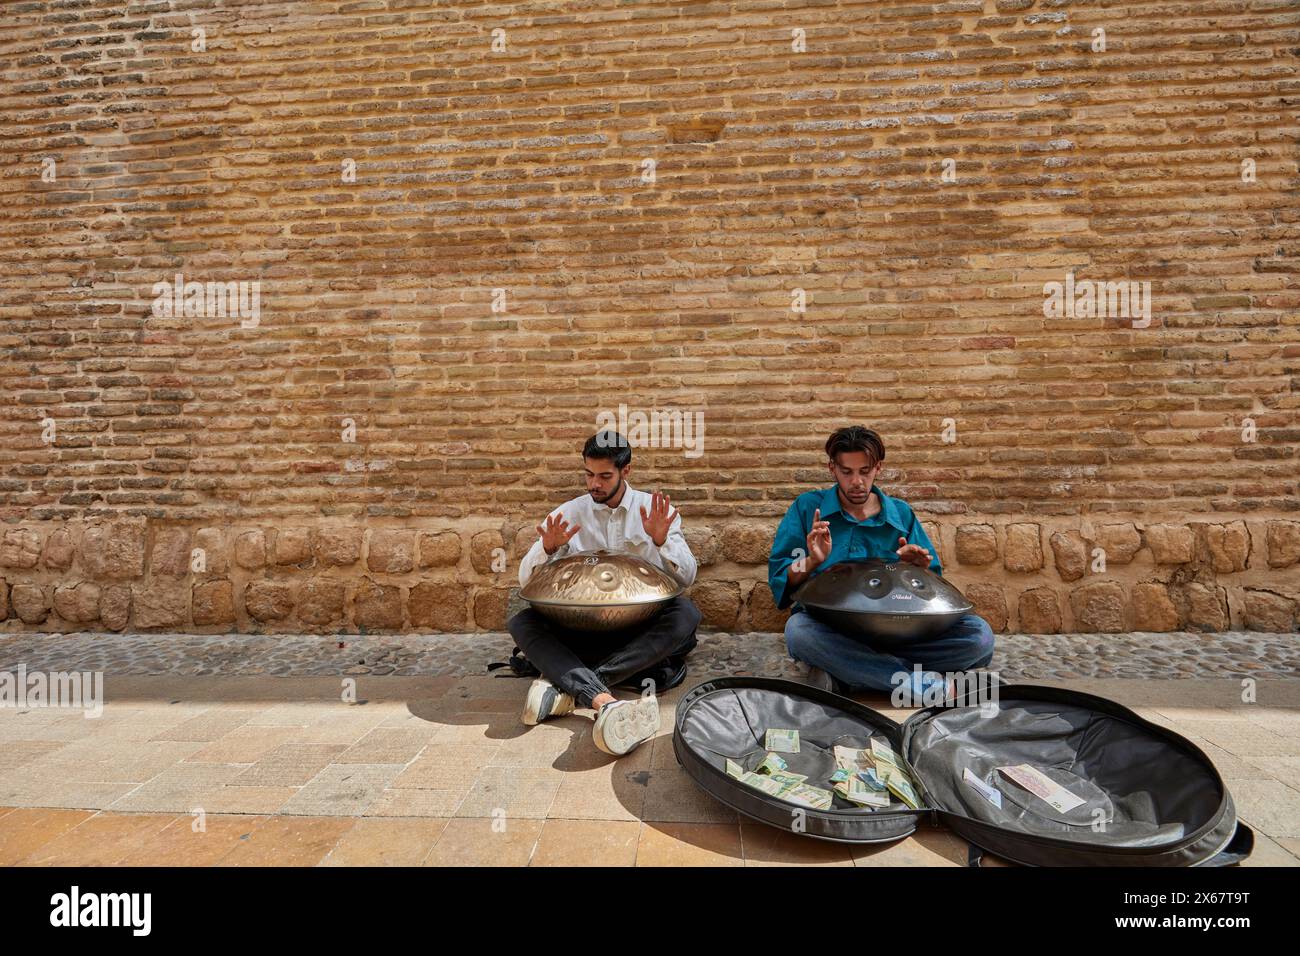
533,705
628,727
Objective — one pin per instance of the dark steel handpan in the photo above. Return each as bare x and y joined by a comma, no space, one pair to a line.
885,603
599,590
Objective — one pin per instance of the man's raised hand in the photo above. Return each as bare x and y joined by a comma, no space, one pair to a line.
556,532
659,519
818,541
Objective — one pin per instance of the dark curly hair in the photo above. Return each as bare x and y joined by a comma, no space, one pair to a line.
856,438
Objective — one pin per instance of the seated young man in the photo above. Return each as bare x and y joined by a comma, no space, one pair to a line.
853,520
579,668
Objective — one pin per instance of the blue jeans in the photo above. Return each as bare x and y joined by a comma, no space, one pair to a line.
966,645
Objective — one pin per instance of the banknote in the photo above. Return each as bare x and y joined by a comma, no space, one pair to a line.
783,741
860,793
881,752
809,796
901,786
771,764
850,759
872,779
764,783
1042,786
734,769
788,779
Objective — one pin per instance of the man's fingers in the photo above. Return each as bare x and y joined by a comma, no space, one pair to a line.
672,517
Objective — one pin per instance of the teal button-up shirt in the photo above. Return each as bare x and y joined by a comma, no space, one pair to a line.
874,537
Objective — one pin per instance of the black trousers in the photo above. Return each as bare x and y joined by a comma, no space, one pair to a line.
586,665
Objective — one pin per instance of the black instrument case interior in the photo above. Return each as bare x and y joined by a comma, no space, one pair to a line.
1150,797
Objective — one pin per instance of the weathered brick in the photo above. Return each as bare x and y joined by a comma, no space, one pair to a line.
338,547
115,606
763,614
77,604
293,546
268,600
719,603
977,544
1098,608
483,551
171,553
391,551
377,606
990,603
1202,607
1024,548
322,602
1153,609
1039,612
747,543
704,544
1229,546
29,603
160,604
213,602
438,607
1171,543
250,549
440,549
490,608
211,542
1120,542
1266,611
20,548
1282,539
59,550
1070,553
114,550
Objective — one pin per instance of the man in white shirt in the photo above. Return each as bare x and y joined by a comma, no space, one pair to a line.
577,668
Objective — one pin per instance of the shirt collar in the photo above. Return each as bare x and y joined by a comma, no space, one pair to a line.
889,507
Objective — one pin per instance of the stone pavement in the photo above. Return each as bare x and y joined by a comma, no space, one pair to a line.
436,769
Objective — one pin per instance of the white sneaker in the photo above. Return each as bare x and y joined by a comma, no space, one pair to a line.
624,724
545,701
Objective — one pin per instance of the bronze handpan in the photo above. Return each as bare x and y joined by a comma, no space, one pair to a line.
885,603
599,590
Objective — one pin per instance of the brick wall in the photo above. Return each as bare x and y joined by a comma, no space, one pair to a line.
463,254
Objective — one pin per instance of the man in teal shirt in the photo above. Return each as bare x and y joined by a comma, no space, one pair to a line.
852,520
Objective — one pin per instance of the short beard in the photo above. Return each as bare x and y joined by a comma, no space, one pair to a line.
850,499
601,501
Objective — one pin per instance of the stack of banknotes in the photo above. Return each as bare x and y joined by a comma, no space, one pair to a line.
863,777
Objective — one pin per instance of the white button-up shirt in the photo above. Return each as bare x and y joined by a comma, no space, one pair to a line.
616,529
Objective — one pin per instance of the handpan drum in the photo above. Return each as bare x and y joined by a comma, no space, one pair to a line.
885,603
599,590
